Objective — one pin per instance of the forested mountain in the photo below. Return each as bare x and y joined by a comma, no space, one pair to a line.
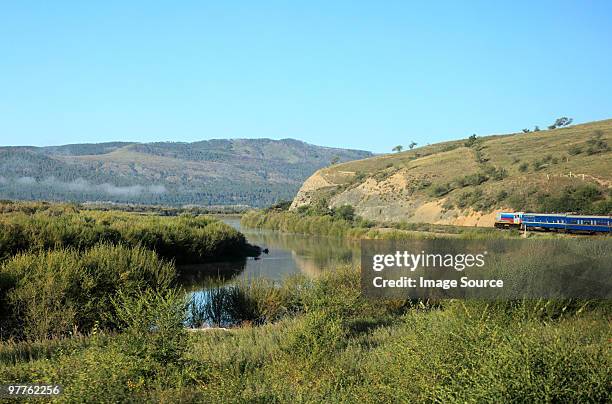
254,172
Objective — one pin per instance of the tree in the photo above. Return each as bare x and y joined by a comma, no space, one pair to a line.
471,141
346,212
334,160
398,148
561,122
536,128
526,130
411,145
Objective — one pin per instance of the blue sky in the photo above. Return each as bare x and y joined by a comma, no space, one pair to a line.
355,74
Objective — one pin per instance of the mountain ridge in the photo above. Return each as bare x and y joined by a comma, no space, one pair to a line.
253,172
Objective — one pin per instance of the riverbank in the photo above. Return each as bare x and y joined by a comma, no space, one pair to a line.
328,224
64,271
184,239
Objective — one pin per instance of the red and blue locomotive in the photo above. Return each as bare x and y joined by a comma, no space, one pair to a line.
554,222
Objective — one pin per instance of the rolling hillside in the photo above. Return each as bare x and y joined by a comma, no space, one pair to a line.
252,172
464,182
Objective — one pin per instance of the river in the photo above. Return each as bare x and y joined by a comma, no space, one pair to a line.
288,254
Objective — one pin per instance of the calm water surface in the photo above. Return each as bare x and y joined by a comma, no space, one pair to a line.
288,254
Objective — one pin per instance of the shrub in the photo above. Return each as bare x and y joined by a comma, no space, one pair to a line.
448,204
152,324
497,173
282,205
574,150
345,212
475,199
580,199
480,157
597,145
523,167
186,239
315,338
501,195
440,189
538,165
471,141
472,179
55,293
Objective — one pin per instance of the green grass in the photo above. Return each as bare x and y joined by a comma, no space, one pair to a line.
340,347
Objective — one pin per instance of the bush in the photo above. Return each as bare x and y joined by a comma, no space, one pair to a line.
315,338
344,212
472,179
186,239
580,199
501,195
440,189
152,324
282,205
471,141
58,293
496,173
523,167
538,165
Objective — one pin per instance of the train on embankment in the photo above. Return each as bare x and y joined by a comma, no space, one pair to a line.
559,222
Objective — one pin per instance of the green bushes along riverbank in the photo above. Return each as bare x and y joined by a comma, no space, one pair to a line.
184,239
61,267
335,225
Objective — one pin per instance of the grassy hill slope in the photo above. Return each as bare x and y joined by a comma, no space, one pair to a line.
219,172
465,181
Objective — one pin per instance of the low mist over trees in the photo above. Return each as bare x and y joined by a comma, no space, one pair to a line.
255,172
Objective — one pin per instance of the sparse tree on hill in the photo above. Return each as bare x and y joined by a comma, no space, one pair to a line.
334,160
561,122
536,128
411,145
526,130
471,141
398,148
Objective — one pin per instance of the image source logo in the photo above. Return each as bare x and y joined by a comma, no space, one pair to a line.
486,269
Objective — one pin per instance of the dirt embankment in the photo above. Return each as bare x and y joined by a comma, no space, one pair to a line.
313,183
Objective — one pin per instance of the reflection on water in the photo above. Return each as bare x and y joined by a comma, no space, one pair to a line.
288,254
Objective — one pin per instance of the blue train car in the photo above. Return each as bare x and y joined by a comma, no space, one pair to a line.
555,222
599,224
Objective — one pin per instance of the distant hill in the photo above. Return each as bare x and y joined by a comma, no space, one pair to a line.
254,172
464,182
